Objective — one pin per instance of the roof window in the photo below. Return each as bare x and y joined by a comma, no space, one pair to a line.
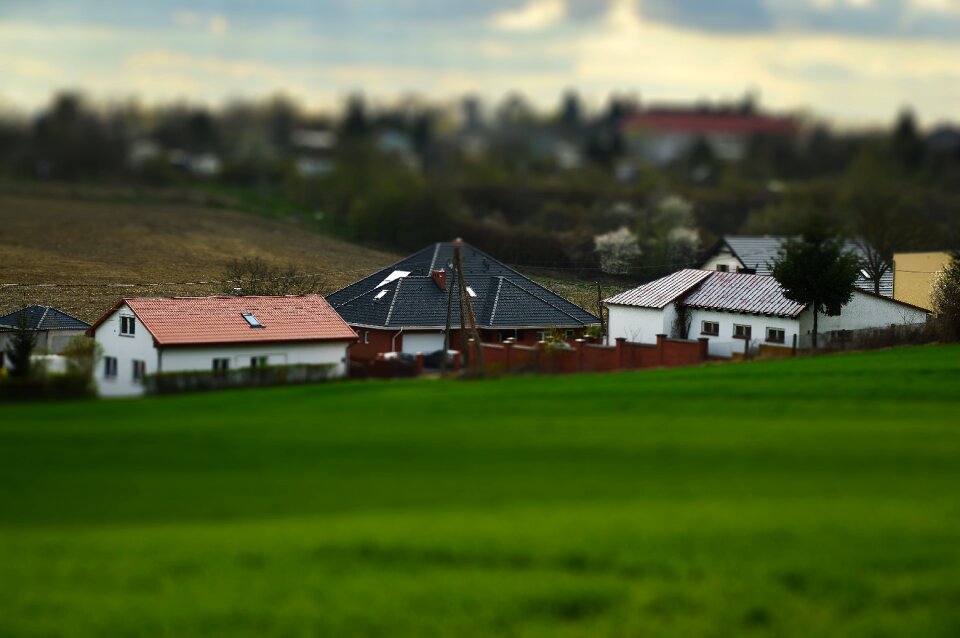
253,321
381,295
470,292
865,274
396,274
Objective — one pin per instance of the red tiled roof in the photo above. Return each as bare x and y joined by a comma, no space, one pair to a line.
712,123
659,293
215,320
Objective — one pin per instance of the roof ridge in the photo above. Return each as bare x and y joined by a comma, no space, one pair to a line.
46,309
496,300
393,300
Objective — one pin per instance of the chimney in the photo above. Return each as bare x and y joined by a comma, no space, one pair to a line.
440,278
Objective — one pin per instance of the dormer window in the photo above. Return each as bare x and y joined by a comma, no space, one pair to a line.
253,321
128,325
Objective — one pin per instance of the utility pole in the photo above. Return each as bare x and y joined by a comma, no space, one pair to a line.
446,329
600,310
466,305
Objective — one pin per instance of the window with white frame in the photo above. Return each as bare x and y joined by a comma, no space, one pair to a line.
366,336
541,335
742,331
221,365
710,328
776,335
139,370
110,367
128,325
258,362
570,334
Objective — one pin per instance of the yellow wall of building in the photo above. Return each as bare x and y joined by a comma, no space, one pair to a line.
914,275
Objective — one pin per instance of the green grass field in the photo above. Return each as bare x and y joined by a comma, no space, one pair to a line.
816,497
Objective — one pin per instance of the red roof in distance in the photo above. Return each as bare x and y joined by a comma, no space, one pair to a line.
175,321
705,122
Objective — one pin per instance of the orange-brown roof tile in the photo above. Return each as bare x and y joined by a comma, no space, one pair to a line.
219,320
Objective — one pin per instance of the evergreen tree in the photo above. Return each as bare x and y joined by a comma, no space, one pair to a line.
21,347
815,271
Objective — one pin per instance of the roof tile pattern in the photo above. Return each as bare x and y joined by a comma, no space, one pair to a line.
219,320
504,297
737,292
43,318
659,293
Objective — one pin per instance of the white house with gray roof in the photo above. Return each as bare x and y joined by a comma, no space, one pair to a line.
756,255
737,310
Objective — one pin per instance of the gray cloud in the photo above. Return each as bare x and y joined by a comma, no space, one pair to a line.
876,18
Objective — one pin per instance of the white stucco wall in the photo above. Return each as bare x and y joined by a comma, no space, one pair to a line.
425,342
724,344
724,258
863,311
180,359
639,325
126,349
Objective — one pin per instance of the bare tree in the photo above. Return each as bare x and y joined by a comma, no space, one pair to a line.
254,276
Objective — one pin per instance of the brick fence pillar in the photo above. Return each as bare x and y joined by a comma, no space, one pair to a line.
507,356
621,353
661,348
419,364
704,344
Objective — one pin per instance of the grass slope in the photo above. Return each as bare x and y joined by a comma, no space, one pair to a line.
48,240
791,498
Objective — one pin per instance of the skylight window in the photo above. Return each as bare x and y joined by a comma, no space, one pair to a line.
471,292
396,274
253,321
865,274
381,295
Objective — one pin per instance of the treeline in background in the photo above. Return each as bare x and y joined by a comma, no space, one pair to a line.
610,191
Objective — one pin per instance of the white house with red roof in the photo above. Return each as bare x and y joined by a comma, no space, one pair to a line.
736,310
142,336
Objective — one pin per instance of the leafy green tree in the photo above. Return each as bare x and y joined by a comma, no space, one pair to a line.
814,270
946,300
21,347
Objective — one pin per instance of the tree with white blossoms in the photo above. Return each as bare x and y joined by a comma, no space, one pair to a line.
668,235
618,251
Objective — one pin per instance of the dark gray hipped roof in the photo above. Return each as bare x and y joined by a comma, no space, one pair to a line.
504,298
759,253
43,318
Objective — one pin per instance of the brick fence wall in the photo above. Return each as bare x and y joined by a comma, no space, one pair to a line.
580,356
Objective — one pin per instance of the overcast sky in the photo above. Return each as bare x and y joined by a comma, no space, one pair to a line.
855,61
